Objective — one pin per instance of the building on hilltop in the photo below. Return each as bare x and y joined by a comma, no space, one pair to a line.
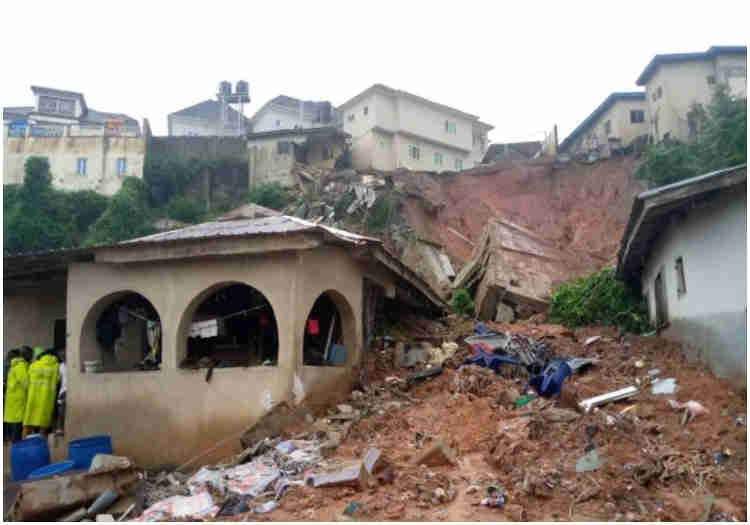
394,129
675,83
205,119
86,149
614,124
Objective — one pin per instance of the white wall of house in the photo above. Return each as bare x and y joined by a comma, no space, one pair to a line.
711,315
276,117
190,126
385,124
684,84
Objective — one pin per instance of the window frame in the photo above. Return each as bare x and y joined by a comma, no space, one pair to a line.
640,114
458,164
679,267
414,152
122,165
437,158
81,162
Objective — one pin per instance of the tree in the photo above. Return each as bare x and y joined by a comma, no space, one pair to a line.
127,215
721,142
269,194
185,209
36,221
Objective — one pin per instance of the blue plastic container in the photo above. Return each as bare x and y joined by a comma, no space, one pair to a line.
82,451
52,469
28,455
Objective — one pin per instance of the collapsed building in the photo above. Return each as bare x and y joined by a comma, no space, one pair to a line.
182,338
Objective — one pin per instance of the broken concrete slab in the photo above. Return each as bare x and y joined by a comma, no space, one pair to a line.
355,476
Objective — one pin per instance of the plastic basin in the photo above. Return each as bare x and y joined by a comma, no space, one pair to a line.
52,469
28,455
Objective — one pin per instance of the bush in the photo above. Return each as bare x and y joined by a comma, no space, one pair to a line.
269,194
85,207
127,216
599,299
462,303
185,209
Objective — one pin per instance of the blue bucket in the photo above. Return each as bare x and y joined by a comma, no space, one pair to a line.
28,455
52,470
82,451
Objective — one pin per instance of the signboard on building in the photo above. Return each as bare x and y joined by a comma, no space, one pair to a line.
17,128
114,126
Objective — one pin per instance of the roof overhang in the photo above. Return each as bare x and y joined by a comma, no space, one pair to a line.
652,208
671,58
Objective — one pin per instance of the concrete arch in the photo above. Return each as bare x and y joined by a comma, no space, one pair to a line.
346,318
89,347
190,309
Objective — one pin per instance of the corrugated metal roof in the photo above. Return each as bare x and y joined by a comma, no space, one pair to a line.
650,208
280,225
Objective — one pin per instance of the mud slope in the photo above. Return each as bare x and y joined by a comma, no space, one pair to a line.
578,207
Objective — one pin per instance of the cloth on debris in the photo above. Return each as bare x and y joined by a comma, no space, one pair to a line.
489,359
17,386
549,383
589,461
249,479
196,507
44,374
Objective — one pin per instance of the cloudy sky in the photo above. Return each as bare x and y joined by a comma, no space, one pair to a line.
520,66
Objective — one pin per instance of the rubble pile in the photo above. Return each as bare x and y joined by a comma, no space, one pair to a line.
430,435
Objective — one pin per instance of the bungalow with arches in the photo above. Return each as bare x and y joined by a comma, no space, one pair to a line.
177,340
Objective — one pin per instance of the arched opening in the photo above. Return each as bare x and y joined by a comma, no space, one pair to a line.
329,338
122,333
231,325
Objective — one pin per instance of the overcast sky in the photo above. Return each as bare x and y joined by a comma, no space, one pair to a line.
520,66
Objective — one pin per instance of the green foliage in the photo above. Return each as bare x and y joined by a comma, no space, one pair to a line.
379,216
462,303
127,216
721,141
36,217
185,209
85,207
598,299
269,194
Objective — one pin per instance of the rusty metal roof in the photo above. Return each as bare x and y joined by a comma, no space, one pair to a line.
280,225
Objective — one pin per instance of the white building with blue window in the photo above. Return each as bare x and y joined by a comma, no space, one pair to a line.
86,149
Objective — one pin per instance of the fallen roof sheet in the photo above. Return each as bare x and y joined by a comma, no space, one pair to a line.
651,207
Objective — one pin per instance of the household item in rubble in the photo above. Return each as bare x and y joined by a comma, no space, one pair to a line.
487,359
92,367
28,455
82,451
549,383
53,469
337,355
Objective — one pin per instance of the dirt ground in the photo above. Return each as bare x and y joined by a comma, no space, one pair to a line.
655,468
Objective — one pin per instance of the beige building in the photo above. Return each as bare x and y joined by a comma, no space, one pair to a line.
272,155
615,124
86,149
394,129
674,83
180,339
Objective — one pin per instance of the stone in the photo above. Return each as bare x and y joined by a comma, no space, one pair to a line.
436,454
504,313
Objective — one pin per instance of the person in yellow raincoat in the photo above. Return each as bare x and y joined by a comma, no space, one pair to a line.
15,395
40,402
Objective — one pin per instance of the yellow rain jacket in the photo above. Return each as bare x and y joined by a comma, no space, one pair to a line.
15,393
44,373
